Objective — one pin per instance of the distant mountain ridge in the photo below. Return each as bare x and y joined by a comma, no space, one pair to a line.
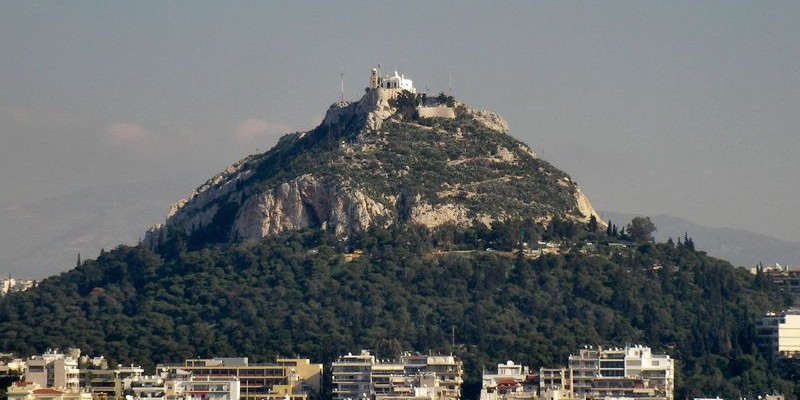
42,238
739,247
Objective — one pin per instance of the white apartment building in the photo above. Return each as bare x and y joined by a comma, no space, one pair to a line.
632,372
148,387
182,386
53,370
205,388
10,285
110,383
779,333
352,376
363,376
512,381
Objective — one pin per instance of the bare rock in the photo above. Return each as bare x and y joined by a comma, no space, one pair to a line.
489,119
304,202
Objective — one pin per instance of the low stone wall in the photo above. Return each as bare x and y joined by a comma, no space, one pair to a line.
436,112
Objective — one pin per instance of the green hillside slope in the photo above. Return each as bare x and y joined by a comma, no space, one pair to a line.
298,294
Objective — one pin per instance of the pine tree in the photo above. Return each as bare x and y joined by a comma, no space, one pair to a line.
687,241
592,224
760,282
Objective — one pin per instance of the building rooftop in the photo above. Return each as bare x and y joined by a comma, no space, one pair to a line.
47,391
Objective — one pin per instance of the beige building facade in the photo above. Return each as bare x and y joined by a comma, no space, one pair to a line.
110,383
33,391
53,370
779,333
285,379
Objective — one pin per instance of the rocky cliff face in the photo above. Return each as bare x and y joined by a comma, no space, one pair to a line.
305,202
371,162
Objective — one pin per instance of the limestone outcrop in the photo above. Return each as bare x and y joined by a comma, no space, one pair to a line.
304,202
489,119
366,164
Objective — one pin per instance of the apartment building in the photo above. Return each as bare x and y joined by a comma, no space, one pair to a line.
785,279
53,370
632,372
511,381
584,367
779,333
33,391
363,376
206,388
352,376
149,388
555,379
110,383
286,378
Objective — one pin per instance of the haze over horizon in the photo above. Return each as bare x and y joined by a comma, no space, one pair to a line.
680,108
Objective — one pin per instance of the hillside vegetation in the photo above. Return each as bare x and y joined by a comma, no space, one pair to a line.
297,294
345,175
369,231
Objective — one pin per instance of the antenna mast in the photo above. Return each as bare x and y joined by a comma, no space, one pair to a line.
450,87
453,341
341,76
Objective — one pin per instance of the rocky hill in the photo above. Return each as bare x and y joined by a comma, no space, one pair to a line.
376,161
435,208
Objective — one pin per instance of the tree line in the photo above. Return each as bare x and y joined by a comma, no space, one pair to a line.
298,294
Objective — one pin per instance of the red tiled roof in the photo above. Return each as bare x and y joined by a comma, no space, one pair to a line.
23,383
47,391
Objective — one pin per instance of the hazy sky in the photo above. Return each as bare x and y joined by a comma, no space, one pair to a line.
684,108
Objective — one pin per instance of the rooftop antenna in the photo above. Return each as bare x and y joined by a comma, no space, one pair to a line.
453,340
450,86
341,76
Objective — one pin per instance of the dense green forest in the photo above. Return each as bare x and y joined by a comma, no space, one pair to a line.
408,288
